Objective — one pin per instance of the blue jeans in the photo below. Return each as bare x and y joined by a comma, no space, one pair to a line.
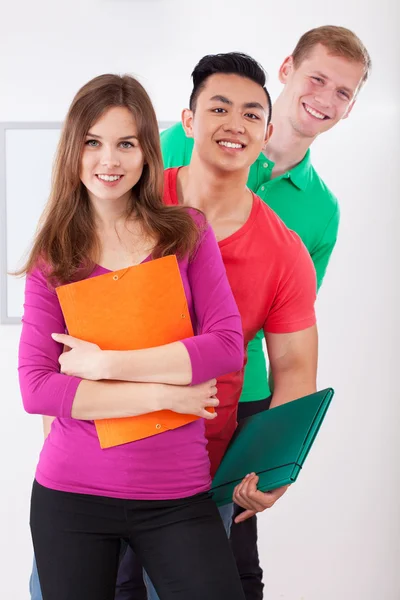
34,585
226,513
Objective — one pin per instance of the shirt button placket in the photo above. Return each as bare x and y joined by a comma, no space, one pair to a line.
263,187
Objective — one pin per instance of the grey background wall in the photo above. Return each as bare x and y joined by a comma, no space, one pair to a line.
336,533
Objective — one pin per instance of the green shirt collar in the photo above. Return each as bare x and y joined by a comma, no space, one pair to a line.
299,175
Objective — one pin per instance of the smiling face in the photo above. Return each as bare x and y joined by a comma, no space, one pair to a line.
112,160
229,125
320,91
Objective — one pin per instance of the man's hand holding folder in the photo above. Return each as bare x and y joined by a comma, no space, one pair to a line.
271,446
248,496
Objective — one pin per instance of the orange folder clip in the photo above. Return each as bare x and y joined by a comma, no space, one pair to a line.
139,307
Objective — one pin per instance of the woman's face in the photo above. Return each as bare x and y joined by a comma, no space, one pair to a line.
112,159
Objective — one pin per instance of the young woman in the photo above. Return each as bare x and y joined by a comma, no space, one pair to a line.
106,213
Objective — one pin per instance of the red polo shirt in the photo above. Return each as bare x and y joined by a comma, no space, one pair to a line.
273,280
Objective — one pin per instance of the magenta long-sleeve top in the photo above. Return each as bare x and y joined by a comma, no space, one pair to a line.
173,464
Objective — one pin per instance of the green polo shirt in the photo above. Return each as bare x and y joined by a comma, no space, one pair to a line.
302,201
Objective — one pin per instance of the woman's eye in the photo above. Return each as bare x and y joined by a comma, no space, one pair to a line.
92,143
126,145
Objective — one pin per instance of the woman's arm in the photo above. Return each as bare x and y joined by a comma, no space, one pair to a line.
169,363
219,349
215,351
48,392
115,399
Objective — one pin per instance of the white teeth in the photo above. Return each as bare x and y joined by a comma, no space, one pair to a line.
313,112
109,177
230,145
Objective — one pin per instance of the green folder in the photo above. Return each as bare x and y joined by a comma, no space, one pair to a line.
273,443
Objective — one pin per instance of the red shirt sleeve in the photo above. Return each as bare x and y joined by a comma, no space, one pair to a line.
293,307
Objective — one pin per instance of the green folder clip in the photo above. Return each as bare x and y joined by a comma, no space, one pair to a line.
273,444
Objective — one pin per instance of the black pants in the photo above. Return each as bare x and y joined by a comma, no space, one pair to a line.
243,539
130,584
244,535
182,545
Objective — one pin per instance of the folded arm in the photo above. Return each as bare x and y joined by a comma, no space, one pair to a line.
48,392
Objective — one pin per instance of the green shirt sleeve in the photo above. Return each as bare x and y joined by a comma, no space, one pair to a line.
322,252
176,148
255,385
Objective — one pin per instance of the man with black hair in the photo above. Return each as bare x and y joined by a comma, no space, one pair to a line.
321,78
269,269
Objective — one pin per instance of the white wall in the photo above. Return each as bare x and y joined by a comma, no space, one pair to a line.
336,534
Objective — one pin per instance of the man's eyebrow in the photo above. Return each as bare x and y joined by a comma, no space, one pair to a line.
219,98
254,105
224,100
125,137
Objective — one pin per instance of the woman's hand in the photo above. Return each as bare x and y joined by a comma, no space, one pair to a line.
194,400
85,360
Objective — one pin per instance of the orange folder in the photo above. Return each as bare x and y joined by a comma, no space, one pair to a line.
139,307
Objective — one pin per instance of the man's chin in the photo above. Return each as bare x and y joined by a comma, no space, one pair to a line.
306,131
230,164
311,131
230,168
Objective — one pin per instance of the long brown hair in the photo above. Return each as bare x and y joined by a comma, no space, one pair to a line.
66,240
